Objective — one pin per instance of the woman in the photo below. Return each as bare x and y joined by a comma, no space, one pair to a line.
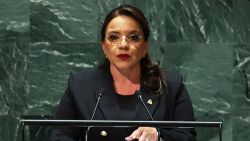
126,71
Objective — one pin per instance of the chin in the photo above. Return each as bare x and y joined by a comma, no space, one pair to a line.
124,66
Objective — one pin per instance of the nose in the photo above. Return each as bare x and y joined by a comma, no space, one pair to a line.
124,43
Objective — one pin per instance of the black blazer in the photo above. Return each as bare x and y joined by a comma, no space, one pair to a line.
81,95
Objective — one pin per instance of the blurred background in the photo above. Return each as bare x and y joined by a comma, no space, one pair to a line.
207,41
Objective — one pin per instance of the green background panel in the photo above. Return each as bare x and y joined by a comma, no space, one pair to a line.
207,41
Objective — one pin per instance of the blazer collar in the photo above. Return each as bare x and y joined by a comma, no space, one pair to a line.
109,105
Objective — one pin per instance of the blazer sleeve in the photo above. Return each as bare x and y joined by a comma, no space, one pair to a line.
66,110
182,111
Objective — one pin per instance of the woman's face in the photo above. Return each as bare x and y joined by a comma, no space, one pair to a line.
124,45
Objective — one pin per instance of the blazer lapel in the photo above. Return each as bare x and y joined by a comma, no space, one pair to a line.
108,104
151,102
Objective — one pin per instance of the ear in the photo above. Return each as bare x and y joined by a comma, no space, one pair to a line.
146,46
103,47
103,44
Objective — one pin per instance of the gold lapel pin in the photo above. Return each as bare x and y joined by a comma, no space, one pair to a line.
150,102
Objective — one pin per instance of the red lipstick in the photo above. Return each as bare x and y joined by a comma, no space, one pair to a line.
123,56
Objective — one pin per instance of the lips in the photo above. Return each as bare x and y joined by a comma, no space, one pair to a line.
123,56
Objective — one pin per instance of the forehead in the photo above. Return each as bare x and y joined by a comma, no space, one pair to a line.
124,24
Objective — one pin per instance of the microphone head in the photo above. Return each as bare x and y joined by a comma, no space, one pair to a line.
138,93
100,92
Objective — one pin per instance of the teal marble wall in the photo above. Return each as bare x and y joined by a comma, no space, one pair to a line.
208,41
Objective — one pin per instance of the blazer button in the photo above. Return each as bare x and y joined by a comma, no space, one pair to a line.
103,133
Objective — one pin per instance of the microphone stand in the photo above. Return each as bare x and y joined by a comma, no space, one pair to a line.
92,117
145,107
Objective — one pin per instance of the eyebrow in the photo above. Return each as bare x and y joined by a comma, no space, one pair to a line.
134,31
130,32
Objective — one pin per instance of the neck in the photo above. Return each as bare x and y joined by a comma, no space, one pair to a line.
126,81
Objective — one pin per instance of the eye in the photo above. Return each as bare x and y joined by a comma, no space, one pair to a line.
113,37
134,37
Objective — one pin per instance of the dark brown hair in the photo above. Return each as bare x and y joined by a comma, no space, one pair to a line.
152,79
130,11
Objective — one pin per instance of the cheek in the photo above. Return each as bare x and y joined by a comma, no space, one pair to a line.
109,50
138,53
141,51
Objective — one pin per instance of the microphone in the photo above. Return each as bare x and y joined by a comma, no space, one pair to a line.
100,95
144,105
138,92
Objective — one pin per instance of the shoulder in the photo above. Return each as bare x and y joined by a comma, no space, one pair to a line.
84,79
84,75
83,84
174,82
172,77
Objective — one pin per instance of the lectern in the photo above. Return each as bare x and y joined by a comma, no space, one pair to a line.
115,123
